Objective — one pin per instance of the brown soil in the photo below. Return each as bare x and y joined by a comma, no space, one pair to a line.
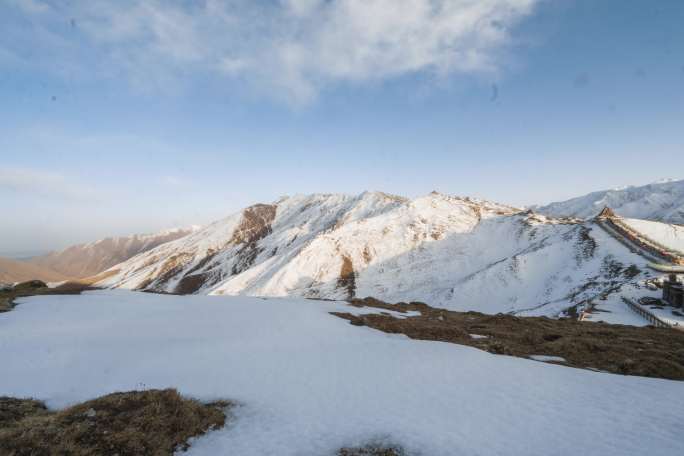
153,422
628,350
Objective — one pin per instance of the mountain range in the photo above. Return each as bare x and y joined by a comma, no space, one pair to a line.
84,260
453,252
20,271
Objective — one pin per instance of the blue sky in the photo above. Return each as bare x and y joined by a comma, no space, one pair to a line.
122,117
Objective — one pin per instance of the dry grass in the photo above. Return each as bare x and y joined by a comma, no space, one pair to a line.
153,422
14,410
5,303
36,288
372,450
628,350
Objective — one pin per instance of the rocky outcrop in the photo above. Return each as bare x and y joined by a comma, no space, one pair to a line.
347,280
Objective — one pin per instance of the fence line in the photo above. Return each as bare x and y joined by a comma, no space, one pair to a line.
647,314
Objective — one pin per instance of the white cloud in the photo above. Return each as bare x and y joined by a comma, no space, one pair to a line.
46,184
296,48
302,7
31,6
174,181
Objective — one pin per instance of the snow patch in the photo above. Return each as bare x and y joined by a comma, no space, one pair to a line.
547,358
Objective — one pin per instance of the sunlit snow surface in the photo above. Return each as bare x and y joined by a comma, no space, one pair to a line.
662,201
310,383
449,252
668,235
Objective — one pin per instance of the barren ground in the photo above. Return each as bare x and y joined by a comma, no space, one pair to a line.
628,350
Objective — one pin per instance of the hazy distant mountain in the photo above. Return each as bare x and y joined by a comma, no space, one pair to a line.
458,253
85,260
662,201
19,271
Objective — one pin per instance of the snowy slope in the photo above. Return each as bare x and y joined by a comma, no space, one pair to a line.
452,252
264,232
85,260
668,235
662,201
309,383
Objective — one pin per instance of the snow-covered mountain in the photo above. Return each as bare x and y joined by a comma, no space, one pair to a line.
662,201
85,260
458,253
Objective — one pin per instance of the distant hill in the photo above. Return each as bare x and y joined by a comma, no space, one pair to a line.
86,260
19,271
661,201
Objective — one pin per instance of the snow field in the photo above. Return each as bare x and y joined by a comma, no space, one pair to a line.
310,383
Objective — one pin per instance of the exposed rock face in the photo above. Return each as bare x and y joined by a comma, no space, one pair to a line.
197,262
347,280
86,260
606,213
255,224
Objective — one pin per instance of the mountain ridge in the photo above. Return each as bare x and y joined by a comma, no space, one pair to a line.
661,201
19,271
91,258
454,252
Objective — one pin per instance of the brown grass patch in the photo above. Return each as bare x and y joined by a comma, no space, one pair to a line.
14,410
37,288
620,349
153,422
372,450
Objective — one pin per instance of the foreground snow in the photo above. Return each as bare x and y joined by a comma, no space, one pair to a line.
310,383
